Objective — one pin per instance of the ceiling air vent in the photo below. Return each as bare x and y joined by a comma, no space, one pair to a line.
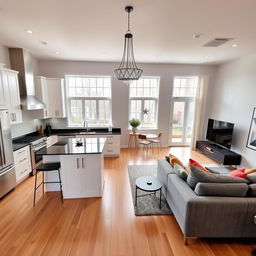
217,42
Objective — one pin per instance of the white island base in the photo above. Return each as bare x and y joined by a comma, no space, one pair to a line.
81,174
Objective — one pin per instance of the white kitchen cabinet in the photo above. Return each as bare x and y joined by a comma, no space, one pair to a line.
112,146
82,175
56,97
41,92
3,102
51,140
12,92
22,161
51,92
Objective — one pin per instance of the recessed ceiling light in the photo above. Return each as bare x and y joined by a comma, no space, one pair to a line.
234,45
43,42
206,57
57,52
29,31
198,35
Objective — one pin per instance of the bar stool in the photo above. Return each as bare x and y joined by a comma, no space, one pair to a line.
47,167
133,137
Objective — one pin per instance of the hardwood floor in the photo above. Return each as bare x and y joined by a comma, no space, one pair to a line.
104,226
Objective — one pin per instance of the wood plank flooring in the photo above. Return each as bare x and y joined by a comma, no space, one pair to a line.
104,226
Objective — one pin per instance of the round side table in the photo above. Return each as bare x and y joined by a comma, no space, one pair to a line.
133,138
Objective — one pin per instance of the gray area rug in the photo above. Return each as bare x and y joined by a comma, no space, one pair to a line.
146,205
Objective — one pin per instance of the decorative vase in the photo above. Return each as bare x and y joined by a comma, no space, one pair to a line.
134,130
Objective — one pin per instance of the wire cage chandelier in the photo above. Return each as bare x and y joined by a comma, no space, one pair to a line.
128,70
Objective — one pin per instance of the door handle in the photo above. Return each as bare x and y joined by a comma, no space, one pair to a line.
82,162
77,163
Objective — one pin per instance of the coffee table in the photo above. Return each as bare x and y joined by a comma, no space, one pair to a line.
148,184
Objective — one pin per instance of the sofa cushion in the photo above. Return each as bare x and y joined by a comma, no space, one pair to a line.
196,175
251,190
251,178
221,189
180,171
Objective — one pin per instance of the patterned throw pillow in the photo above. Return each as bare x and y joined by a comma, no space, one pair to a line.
180,171
249,171
196,164
238,173
174,159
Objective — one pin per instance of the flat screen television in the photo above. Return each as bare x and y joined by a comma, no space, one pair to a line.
220,132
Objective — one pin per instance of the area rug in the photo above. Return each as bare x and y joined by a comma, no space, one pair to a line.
146,205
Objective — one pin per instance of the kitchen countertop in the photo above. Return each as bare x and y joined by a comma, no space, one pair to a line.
98,131
69,147
17,146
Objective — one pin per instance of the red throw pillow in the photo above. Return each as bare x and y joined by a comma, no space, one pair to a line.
238,173
196,164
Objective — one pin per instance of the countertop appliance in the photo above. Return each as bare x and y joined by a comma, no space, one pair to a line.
7,170
36,143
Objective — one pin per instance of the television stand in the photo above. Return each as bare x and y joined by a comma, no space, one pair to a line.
217,153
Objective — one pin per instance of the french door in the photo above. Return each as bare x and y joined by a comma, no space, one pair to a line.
182,121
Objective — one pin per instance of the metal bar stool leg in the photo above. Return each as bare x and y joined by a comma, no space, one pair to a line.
61,193
34,202
43,182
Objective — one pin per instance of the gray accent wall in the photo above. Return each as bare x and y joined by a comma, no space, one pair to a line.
120,90
232,99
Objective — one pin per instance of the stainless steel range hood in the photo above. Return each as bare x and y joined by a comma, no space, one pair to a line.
21,61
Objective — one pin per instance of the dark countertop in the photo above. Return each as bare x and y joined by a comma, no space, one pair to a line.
69,147
98,131
18,146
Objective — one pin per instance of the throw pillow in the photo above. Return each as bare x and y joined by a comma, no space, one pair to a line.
195,163
251,177
180,171
238,173
174,159
248,171
196,175
167,158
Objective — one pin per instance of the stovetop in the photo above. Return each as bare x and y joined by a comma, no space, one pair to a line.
31,139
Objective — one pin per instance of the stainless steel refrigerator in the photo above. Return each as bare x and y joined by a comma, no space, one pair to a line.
7,170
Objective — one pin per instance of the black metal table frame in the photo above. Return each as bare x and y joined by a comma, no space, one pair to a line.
151,193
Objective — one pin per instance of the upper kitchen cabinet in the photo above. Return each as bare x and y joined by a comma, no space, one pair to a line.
41,92
56,97
11,90
51,92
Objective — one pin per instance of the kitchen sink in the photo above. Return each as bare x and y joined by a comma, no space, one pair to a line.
85,133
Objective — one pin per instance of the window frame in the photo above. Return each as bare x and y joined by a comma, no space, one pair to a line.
143,99
97,99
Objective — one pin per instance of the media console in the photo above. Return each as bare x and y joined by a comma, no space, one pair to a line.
219,154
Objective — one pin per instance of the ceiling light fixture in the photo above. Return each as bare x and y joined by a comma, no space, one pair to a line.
198,35
206,57
29,31
128,70
57,52
43,42
234,45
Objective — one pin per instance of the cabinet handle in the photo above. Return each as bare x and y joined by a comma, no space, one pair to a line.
45,112
15,117
24,159
20,152
82,162
77,163
12,117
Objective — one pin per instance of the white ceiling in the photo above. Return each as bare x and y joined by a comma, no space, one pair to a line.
163,30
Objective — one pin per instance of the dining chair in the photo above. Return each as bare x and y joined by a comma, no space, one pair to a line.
144,142
157,141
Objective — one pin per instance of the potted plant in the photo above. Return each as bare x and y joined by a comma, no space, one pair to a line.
134,123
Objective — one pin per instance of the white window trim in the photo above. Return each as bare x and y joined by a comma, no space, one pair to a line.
68,101
156,99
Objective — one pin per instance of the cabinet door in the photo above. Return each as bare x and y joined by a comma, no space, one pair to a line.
14,97
2,91
56,97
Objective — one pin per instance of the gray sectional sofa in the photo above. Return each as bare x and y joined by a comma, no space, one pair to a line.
206,216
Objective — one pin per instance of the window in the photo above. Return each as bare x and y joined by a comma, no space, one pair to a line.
89,99
185,86
144,95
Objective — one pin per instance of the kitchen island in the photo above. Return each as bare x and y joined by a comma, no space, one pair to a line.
81,166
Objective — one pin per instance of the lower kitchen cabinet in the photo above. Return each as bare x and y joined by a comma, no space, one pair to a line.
52,140
22,161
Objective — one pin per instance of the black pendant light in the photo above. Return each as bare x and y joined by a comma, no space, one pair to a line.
128,70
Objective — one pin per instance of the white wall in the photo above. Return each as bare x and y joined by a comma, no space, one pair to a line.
4,56
232,99
120,91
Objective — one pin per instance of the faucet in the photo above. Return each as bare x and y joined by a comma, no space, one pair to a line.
87,126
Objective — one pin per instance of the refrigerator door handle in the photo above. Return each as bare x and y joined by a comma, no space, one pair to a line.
2,145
